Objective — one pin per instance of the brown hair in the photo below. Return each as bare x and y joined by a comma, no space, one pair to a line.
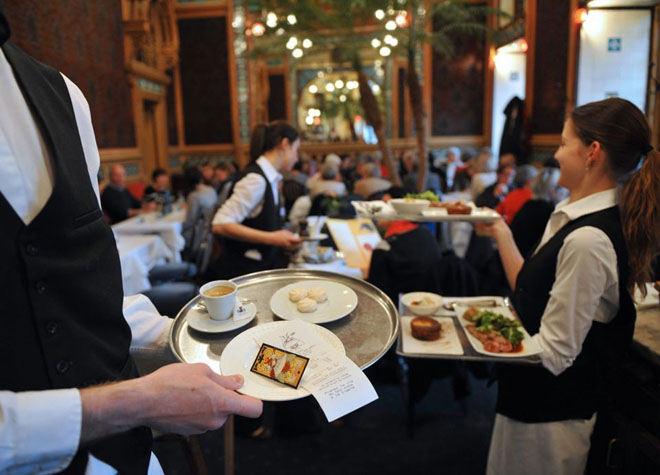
623,133
268,136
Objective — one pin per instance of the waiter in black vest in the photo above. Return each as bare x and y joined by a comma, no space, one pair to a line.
251,219
573,294
65,342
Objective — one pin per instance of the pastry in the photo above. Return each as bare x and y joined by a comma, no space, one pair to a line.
458,208
297,294
307,305
318,294
425,328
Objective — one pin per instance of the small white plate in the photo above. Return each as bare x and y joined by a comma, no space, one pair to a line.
316,237
239,354
341,301
529,346
199,319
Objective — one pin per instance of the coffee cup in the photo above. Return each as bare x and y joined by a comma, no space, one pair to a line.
219,296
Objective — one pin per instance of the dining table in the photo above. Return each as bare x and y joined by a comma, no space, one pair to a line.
138,254
168,227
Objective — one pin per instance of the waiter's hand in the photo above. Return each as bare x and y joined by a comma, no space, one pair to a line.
181,398
284,238
495,229
192,398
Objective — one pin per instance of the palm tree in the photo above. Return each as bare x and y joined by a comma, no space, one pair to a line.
451,18
332,25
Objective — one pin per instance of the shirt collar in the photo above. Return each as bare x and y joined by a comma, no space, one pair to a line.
272,175
587,205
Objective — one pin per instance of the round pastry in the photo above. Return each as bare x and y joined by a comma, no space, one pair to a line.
318,294
297,294
307,305
459,208
425,328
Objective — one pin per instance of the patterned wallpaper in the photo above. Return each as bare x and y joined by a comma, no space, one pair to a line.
205,81
458,89
84,40
552,31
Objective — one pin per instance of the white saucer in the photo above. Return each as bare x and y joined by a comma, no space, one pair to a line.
199,319
316,237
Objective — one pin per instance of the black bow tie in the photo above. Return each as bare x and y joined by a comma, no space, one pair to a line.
4,29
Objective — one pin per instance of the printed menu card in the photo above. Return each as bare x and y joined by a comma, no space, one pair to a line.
337,383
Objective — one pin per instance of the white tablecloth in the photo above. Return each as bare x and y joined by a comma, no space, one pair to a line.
168,227
137,255
339,266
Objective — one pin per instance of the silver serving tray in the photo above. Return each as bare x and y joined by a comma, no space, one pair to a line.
367,333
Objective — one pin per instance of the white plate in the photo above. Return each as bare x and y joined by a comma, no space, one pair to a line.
529,346
447,344
341,301
478,215
199,319
316,237
239,354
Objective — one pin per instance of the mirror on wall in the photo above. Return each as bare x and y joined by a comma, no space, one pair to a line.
328,105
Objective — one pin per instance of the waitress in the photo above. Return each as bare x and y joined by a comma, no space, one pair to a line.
574,293
250,221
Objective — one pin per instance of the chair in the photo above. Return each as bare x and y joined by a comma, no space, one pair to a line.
415,262
291,191
137,189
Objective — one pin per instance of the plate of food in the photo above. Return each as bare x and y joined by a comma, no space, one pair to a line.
430,335
460,210
240,357
495,331
314,301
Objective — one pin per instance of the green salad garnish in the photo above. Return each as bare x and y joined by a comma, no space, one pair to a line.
486,320
427,195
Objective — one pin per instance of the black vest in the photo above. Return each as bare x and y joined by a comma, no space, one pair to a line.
532,393
63,325
268,220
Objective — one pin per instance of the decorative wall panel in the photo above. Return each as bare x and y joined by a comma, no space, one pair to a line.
84,40
550,66
205,83
172,131
458,89
277,97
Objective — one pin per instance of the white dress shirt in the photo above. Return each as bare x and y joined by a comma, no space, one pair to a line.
247,199
586,288
40,431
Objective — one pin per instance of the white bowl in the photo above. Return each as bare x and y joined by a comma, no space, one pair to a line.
409,205
422,303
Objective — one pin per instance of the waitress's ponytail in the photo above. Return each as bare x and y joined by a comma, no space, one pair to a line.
258,141
268,136
640,218
624,134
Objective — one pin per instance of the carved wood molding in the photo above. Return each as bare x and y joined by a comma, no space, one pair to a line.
151,35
